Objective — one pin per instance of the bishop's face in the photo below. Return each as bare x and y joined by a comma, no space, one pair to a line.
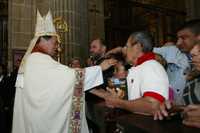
49,46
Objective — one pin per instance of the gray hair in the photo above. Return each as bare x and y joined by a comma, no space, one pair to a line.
145,39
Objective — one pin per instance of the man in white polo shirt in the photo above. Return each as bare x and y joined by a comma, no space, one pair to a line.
147,80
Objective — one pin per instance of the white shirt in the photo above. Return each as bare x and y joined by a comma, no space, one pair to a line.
150,76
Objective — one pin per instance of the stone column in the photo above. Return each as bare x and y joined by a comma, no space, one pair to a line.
75,41
96,19
20,26
3,31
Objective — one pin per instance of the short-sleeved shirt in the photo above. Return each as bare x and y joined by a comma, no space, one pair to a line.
149,76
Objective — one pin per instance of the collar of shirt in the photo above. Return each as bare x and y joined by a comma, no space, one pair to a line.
145,57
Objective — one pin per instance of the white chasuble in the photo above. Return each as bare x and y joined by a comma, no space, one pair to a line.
43,100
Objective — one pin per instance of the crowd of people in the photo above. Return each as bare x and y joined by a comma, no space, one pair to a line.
163,78
188,43
156,80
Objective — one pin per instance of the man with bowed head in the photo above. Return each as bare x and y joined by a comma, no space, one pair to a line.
147,80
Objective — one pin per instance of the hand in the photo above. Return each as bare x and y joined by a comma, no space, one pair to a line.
124,49
111,100
192,116
114,51
162,112
108,63
112,92
120,93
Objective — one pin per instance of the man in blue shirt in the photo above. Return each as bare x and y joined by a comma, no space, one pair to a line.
179,58
177,66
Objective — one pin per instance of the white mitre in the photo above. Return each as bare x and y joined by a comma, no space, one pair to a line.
44,27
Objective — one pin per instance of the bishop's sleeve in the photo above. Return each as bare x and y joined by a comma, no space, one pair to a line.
93,77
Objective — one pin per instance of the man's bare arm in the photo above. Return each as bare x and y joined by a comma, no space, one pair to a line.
144,105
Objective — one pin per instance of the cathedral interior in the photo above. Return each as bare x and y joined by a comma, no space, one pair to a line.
112,20
78,22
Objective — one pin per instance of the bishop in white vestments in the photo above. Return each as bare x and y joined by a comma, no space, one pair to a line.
50,96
